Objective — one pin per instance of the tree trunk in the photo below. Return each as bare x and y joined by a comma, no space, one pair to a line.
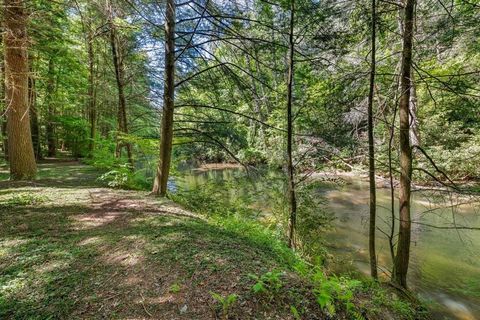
290,168
92,110
414,130
50,132
22,159
403,247
371,152
122,102
34,126
166,139
2,100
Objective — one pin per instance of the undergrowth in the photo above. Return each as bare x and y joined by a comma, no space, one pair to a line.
337,296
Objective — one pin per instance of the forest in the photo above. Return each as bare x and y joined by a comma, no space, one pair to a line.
240,159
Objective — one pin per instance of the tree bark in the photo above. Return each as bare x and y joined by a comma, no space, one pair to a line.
122,102
414,130
371,151
22,159
161,178
50,127
290,168
403,247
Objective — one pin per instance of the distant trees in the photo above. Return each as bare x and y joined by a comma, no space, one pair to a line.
21,154
50,103
89,36
67,98
119,67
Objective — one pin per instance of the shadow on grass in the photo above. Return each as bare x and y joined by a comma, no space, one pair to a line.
64,174
115,262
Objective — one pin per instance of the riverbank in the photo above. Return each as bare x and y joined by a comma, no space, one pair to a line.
383,181
72,248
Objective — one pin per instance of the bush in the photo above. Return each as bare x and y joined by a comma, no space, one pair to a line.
123,177
251,156
103,156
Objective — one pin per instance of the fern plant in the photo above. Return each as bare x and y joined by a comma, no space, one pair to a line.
269,283
329,290
225,302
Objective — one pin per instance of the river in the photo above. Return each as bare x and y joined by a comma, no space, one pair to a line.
444,265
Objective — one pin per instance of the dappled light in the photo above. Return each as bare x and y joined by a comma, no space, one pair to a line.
121,253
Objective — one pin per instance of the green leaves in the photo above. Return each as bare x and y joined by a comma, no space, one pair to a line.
226,302
269,283
331,292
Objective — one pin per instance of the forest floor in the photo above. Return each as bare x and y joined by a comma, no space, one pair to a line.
71,248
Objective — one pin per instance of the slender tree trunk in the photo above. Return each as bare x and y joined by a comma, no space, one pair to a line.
22,159
391,236
252,132
403,248
34,126
414,130
166,139
371,151
290,168
122,102
261,113
50,127
2,99
92,110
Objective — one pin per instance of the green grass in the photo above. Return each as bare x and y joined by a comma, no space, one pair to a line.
50,269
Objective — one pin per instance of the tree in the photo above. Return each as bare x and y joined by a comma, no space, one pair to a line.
403,247
371,149
3,125
166,139
21,155
89,37
290,167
